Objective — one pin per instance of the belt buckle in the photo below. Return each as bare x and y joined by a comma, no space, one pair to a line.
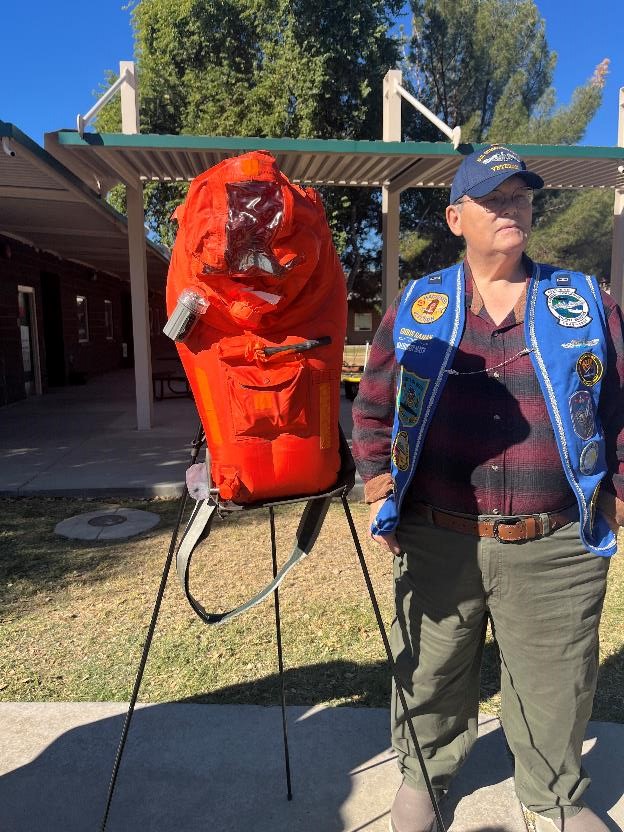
507,521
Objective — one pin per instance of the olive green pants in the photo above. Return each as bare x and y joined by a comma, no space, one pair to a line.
545,599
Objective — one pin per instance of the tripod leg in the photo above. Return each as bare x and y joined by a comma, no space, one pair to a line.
397,681
197,443
280,661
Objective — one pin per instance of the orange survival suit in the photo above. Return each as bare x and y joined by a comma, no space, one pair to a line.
257,304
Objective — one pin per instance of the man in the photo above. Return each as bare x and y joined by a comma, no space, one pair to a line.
488,431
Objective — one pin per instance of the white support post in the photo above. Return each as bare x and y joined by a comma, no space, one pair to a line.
390,200
617,245
129,98
138,262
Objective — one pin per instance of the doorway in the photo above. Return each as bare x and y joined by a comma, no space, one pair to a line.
53,329
27,323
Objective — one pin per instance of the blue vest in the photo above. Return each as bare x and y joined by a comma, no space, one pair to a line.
565,330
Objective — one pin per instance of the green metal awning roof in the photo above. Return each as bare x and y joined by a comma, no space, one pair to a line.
105,159
46,205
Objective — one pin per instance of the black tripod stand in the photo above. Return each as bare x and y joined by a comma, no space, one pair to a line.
310,525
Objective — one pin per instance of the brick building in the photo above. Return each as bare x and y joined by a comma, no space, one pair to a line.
65,310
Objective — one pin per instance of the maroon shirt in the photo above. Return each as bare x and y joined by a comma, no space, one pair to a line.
490,447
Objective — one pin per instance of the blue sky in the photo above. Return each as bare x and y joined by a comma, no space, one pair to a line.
56,54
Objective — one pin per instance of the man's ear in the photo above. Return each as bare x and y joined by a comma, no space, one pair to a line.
453,219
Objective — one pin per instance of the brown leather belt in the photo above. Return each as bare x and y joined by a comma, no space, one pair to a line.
504,529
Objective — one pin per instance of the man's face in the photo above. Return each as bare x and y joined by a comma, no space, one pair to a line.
495,223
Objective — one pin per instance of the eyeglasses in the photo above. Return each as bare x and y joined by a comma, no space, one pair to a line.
496,202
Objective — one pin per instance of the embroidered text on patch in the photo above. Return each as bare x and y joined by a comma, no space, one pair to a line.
499,155
412,333
575,342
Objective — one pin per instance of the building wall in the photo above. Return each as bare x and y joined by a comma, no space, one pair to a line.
358,323
64,357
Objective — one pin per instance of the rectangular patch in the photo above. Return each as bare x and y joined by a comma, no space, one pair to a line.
435,278
563,280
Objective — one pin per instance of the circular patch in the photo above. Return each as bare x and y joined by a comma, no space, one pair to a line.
429,307
582,413
568,306
589,458
589,368
400,451
107,520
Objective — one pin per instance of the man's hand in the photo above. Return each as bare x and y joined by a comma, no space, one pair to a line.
386,541
612,509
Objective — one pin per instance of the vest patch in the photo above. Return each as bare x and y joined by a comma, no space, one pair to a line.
411,398
582,413
589,458
589,368
400,451
429,307
570,309
576,343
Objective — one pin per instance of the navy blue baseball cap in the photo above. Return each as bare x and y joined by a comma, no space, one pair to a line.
485,169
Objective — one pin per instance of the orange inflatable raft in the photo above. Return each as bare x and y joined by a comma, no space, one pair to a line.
257,304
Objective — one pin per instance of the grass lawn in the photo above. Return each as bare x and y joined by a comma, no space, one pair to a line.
74,614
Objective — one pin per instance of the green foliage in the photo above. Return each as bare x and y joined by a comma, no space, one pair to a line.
544,123
486,65
289,68
574,231
265,68
464,54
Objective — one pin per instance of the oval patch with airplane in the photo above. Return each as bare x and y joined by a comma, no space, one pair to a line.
568,307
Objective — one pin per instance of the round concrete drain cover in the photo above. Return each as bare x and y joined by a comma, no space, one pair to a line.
111,524
107,520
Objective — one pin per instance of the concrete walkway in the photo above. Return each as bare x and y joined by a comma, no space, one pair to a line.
220,768
206,768
82,441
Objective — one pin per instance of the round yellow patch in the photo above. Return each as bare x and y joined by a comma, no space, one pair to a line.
429,307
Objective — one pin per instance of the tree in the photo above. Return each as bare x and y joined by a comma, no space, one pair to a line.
290,68
486,65
284,68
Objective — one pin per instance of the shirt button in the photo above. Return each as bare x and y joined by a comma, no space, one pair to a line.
495,334
496,417
494,467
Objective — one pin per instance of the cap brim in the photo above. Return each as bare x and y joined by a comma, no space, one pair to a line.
487,186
